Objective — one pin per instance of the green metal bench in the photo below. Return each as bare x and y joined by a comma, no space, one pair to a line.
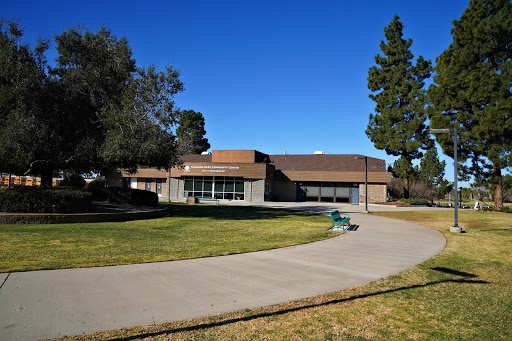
206,199
338,220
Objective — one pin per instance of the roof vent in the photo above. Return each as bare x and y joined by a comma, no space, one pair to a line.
319,152
206,153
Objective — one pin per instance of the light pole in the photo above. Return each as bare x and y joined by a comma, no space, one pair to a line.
365,181
455,228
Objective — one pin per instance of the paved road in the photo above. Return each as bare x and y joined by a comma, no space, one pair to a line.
47,304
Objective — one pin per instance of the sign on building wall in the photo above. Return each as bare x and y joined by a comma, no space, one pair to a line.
254,171
210,169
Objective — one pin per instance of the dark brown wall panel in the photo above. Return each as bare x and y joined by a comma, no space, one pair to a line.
147,173
234,156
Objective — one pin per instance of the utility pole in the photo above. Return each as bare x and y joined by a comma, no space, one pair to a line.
455,228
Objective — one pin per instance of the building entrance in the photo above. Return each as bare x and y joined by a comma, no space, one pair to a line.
219,187
354,198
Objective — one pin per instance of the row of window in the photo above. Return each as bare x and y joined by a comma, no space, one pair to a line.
228,188
327,189
132,183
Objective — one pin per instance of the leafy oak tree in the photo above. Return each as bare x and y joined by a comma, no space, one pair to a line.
22,99
472,91
398,125
190,133
95,111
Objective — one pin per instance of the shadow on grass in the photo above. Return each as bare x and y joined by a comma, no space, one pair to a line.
230,212
204,326
507,230
454,272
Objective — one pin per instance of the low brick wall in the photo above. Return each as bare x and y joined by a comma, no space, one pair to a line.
61,218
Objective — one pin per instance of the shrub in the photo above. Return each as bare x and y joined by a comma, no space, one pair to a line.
506,209
414,201
396,189
419,190
73,180
44,200
141,197
125,196
96,184
97,188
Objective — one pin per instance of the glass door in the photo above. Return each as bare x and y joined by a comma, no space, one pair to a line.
354,196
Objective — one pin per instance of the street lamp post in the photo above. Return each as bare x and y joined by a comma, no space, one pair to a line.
455,228
365,181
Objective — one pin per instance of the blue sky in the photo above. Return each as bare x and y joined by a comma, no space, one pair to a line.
268,75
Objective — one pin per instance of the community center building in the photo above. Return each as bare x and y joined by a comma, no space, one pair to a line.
253,176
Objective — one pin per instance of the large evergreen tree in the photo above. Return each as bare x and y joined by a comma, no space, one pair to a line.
398,125
404,169
472,90
190,133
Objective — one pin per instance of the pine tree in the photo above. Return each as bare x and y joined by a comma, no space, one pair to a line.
431,168
398,125
404,169
190,133
472,91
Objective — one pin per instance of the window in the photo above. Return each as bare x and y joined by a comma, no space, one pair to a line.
342,190
226,188
324,191
148,185
159,186
133,183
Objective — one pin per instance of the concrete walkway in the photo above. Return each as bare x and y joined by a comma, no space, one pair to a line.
48,304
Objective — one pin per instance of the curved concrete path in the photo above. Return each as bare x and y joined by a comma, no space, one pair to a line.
47,304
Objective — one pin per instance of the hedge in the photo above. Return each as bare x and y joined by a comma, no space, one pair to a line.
73,180
414,201
125,196
44,200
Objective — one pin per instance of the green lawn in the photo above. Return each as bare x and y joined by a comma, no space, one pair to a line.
464,293
192,231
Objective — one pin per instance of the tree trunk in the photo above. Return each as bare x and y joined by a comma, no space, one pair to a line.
406,184
46,177
498,189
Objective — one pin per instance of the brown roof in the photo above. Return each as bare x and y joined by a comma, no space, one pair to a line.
326,163
312,162
196,158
